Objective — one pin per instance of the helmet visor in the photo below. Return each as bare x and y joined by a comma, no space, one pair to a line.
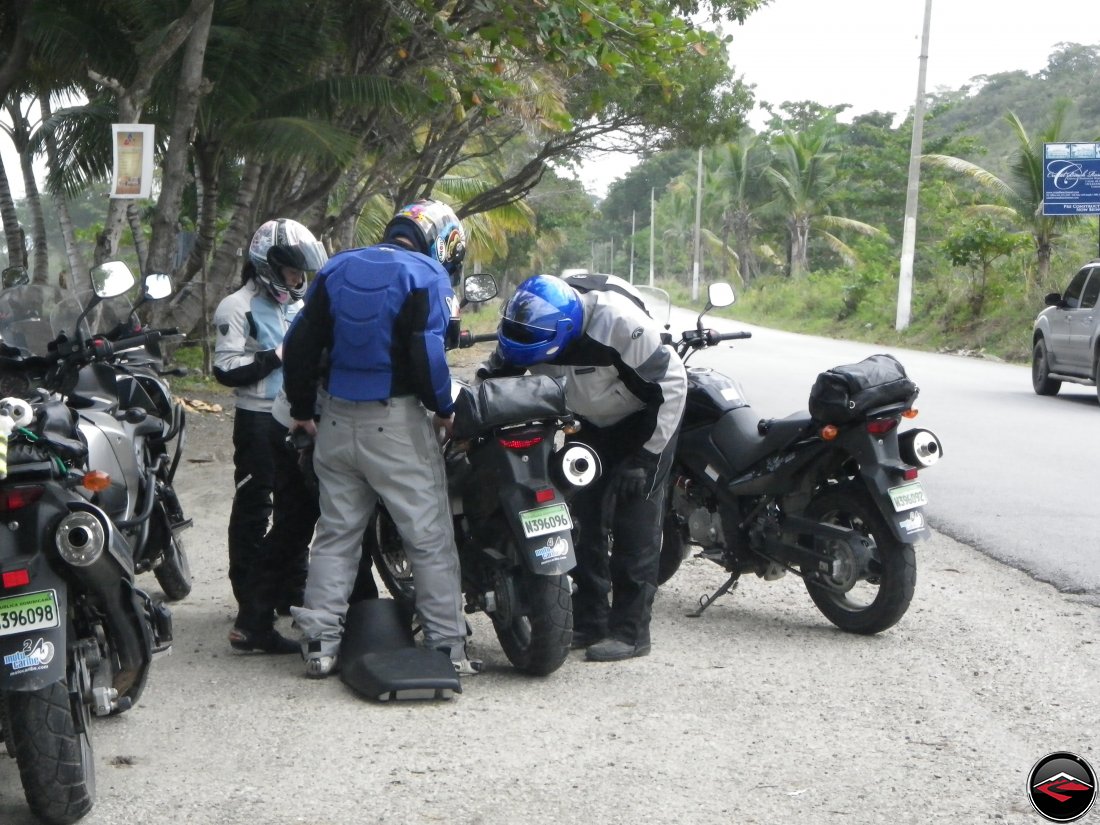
313,254
525,333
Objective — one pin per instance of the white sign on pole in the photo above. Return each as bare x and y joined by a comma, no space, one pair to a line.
133,160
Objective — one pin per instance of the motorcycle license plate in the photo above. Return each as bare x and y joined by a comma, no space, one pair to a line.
907,496
544,520
30,611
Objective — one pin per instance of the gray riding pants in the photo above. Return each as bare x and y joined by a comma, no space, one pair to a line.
366,451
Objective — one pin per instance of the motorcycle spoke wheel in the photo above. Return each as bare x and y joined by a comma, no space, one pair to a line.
536,641
388,552
173,572
54,757
882,594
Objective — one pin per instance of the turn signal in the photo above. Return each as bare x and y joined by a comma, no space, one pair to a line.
96,480
910,414
829,432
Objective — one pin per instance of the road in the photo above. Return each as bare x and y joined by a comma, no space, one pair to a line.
757,712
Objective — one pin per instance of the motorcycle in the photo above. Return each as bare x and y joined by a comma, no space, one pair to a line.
509,477
831,496
77,635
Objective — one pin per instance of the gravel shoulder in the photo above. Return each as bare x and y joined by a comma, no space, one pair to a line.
760,711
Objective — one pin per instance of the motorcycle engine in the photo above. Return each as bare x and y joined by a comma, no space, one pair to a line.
703,521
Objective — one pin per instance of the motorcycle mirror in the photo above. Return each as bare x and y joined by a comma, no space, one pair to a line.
111,279
479,288
720,295
15,276
157,285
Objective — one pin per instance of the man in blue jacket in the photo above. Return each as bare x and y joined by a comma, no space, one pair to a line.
382,314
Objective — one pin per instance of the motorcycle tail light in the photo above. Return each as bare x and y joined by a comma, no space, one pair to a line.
17,578
910,474
520,439
881,426
544,495
16,498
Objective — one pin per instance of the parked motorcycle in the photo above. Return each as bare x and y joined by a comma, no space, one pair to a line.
831,496
509,475
77,635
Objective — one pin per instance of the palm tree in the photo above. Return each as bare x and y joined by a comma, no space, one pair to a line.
803,173
1020,198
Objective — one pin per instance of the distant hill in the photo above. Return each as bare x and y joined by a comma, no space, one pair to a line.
978,109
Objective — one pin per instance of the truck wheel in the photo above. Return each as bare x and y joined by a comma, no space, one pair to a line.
1040,371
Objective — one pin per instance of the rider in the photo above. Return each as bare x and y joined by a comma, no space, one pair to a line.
629,390
382,312
250,325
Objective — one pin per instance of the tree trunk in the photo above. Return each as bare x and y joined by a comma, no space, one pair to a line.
77,266
174,176
141,249
799,228
13,233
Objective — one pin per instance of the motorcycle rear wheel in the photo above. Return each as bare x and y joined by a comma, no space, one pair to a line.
672,548
537,641
879,600
54,758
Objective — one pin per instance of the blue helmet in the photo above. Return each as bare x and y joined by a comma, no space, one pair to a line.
542,318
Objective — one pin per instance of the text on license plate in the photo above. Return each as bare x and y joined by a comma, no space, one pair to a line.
544,520
907,496
30,611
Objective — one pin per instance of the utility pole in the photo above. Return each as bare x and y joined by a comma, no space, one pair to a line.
695,266
909,231
652,233
633,217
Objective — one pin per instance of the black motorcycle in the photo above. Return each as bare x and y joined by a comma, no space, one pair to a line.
830,494
77,635
508,477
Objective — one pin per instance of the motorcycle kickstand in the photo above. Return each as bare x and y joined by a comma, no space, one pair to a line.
707,601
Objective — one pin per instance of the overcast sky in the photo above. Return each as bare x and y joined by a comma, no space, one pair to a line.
867,52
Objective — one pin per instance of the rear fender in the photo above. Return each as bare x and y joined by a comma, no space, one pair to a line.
547,554
30,660
881,468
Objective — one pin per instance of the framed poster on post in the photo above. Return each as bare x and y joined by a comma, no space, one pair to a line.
133,160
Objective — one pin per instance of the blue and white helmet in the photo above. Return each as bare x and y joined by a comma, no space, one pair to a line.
541,319
434,230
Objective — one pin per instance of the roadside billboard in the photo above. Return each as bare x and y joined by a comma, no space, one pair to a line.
1071,178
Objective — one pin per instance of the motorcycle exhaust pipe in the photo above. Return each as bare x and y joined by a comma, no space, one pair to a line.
921,448
577,465
80,538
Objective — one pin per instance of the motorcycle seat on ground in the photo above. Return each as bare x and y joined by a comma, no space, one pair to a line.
744,439
380,659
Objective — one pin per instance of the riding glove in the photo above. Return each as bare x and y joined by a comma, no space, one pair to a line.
634,477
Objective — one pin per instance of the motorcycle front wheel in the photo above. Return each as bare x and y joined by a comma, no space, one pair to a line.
173,571
536,640
881,597
53,752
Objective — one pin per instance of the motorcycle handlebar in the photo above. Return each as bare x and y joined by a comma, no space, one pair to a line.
697,339
468,339
104,349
